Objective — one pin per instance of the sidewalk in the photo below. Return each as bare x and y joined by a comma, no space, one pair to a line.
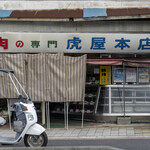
101,131
93,131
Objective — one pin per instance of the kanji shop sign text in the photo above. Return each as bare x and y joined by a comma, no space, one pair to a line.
75,42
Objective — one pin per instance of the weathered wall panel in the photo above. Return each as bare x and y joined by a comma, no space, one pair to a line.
75,13
64,13
128,26
72,9
127,11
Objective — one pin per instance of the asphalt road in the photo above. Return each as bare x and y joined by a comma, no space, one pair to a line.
125,144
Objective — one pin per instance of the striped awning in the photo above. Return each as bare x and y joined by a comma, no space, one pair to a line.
15,62
66,78
45,77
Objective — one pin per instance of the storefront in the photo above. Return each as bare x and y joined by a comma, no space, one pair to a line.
117,50
124,87
114,86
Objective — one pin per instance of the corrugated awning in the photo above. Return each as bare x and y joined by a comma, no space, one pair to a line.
62,10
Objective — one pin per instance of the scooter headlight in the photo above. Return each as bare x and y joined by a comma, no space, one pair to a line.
24,108
30,117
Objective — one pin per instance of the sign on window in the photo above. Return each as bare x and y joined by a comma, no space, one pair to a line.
105,75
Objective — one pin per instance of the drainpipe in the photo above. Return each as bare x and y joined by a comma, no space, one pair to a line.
123,89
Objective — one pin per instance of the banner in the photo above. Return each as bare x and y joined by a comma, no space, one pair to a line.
15,42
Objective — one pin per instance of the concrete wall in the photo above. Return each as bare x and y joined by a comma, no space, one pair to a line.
131,26
47,5
86,0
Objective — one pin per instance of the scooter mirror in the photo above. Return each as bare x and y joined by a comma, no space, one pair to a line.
24,100
20,97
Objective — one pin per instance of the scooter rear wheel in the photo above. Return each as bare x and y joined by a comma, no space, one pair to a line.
35,140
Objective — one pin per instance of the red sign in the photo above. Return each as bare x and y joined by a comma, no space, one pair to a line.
19,44
4,43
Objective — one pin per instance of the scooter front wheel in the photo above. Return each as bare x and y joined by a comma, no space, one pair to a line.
36,140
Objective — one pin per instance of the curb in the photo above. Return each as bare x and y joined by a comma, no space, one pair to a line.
64,148
98,138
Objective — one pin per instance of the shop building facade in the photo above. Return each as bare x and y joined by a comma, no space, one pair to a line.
113,35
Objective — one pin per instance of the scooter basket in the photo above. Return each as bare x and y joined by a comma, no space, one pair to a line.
18,126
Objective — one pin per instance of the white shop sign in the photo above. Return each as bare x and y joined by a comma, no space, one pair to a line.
74,42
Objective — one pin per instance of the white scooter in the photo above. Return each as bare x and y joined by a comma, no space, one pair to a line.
25,124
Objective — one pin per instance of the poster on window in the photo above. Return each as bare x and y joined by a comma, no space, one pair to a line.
118,75
143,75
131,75
105,75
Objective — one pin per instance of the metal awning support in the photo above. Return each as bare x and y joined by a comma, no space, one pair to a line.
82,114
124,103
66,114
48,115
43,112
97,99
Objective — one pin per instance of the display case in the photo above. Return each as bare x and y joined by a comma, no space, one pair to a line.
129,99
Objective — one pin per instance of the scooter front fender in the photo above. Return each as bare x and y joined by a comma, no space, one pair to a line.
35,129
